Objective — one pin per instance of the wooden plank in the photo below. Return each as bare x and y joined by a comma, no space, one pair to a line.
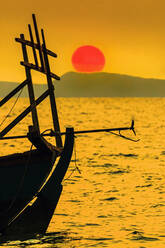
37,68
13,92
32,41
52,96
36,46
23,114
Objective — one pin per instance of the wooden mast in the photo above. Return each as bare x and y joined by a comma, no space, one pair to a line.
32,42
38,41
43,54
51,95
42,67
30,87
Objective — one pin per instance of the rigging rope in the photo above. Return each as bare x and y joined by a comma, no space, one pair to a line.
23,177
21,181
39,190
75,160
11,108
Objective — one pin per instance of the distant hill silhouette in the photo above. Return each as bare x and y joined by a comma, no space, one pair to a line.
102,84
108,85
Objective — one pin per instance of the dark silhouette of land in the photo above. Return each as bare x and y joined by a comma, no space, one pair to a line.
101,84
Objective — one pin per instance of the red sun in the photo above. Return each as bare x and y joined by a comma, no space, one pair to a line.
88,59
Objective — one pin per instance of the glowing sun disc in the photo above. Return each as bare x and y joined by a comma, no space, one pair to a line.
88,59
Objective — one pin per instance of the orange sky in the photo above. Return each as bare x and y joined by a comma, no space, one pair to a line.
131,34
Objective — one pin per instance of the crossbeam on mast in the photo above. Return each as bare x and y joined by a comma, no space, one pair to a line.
36,46
38,68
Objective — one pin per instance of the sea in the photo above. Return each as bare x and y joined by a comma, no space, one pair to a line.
114,191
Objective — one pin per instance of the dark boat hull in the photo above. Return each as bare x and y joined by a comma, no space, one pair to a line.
36,218
21,177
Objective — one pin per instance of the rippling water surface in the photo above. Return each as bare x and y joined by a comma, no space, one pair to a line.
117,199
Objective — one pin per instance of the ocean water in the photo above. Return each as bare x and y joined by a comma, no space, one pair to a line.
116,197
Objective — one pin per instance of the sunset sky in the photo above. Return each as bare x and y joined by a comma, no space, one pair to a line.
131,34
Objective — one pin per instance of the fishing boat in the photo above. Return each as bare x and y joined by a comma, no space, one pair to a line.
31,181
22,175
